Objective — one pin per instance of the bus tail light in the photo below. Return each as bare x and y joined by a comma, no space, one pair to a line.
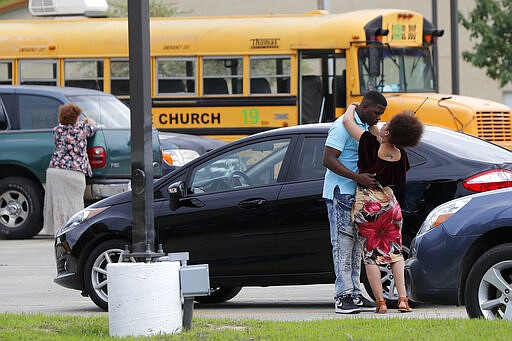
489,180
97,157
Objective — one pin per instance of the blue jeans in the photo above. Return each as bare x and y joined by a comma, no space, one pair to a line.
346,249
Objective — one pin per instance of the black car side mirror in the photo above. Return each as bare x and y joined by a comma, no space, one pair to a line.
177,191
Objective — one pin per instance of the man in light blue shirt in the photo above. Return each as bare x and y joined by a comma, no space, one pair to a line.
341,177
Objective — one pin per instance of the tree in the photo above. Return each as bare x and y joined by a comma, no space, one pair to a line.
490,24
119,8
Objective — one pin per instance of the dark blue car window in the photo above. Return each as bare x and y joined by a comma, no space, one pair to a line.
466,146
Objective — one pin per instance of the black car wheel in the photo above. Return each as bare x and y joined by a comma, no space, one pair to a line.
95,270
488,290
21,208
219,295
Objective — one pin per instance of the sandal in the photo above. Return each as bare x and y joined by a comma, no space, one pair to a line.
406,308
381,307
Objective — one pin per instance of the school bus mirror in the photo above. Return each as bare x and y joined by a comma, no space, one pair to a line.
374,59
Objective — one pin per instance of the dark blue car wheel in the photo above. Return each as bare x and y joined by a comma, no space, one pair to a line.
488,290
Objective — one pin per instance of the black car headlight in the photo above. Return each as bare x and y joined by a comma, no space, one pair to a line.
80,217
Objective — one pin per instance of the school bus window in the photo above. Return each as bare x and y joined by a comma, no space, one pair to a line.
222,76
120,77
6,72
176,76
84,73
270,75
38,72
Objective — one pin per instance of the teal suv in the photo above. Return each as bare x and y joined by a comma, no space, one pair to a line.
27,117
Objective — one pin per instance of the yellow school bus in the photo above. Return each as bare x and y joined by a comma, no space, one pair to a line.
233,76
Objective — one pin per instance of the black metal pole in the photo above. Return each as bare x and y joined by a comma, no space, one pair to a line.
455,45
435,53
143,232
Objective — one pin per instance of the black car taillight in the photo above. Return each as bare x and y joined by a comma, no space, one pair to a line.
97,157
489,180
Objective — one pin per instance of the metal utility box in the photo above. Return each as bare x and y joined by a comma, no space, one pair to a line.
195,280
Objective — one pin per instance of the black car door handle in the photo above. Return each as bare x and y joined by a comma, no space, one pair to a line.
252,203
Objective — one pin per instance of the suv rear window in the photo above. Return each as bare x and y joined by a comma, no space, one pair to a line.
107,111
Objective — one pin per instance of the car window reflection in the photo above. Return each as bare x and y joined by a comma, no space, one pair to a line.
252,165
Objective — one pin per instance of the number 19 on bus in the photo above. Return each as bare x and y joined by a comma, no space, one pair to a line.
251,116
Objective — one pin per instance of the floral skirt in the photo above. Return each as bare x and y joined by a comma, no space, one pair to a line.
378,218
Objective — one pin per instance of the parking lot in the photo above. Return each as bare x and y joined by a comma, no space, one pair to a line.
27,269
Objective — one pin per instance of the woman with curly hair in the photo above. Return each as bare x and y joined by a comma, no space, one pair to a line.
376,212
69,164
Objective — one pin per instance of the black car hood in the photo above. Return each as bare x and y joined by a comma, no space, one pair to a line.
183,141
117,199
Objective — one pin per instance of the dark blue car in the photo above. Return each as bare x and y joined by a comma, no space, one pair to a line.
462,254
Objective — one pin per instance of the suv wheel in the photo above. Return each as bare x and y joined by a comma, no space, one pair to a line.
21,208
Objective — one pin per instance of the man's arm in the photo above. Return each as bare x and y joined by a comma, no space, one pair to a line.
331,162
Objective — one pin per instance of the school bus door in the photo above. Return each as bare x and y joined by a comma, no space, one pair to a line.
322,85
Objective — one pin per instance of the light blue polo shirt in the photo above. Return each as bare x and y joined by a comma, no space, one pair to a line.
339,138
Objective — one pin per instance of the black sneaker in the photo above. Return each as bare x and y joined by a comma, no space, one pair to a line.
364,304
345,305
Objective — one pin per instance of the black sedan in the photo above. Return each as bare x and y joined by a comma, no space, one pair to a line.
253,210
463,255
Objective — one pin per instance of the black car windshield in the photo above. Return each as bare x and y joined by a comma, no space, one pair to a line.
106,110
466,146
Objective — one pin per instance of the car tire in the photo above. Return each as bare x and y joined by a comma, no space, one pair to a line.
21,208
219,295
487,293
95,270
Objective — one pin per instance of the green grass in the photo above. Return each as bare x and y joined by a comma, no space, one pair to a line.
59,327
3,2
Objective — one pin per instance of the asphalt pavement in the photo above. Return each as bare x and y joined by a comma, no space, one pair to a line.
27,269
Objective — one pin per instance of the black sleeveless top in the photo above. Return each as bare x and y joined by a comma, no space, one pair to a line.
388,172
